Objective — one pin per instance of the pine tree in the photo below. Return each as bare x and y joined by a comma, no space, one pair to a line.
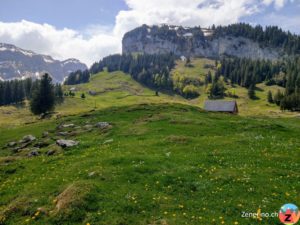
59,94
82,96
43,98
270,97
251,91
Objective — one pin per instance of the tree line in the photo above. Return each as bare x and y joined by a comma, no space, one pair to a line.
247,73
17,91
78,77
152,71
270,36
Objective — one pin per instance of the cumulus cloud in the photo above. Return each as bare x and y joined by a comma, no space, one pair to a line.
61,44
98,41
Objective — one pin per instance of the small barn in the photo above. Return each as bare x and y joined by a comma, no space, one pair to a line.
221,106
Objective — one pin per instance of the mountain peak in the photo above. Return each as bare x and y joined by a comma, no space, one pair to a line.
17,63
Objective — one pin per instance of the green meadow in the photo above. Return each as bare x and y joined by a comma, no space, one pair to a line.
162,161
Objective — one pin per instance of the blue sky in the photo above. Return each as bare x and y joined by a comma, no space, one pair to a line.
74,14
91,29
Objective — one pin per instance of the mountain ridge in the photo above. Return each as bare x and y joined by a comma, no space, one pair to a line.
18,63
239,40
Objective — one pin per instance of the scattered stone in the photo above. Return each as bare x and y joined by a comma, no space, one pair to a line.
168,154
68,125
12,144
25,145
45,134
42,144
91,174
74,133
16,149
93,93
50,152
63,133
88,126
33,153
28,138
102,125
66,143
108,141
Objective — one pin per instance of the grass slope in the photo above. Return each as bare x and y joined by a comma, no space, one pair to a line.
158,164
247,107
113,89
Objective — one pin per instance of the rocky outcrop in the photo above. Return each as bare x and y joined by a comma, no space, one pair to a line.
17,63
192,42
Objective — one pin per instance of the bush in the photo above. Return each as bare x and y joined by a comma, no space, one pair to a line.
190,91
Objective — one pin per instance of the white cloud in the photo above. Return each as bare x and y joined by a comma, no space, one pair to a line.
278,3
61,44
98,41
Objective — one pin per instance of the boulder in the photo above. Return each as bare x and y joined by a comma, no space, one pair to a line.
66,143
50,152
28,138
88,126
108,141
12,144
33,153
42,144
45,134
102,125
63,133
68,125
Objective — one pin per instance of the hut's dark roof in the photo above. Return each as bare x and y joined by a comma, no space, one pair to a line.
220,106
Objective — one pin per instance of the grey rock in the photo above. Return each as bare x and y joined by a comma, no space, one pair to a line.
102,125
68,125
63,133
88,126
41,144
93,93
191,42
45,134
66,143
91,174
108,141
33,153
28,138
12,144
50,152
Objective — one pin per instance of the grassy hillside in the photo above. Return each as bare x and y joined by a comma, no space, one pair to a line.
161,161
119,89
113,89
156,164
247,107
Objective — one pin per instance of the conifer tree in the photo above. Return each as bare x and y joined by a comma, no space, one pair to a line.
43,97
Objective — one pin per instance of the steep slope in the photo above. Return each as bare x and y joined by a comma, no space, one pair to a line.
195,42
17,63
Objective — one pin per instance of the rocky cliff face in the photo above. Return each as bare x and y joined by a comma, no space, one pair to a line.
192,42
17,63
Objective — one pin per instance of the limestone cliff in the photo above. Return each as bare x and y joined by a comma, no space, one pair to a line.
193,42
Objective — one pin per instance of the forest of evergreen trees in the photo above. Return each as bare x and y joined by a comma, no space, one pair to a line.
247,73
271,36
17,91
151,70
78,77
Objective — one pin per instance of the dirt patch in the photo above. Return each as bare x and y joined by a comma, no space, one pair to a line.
74,202
178,139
